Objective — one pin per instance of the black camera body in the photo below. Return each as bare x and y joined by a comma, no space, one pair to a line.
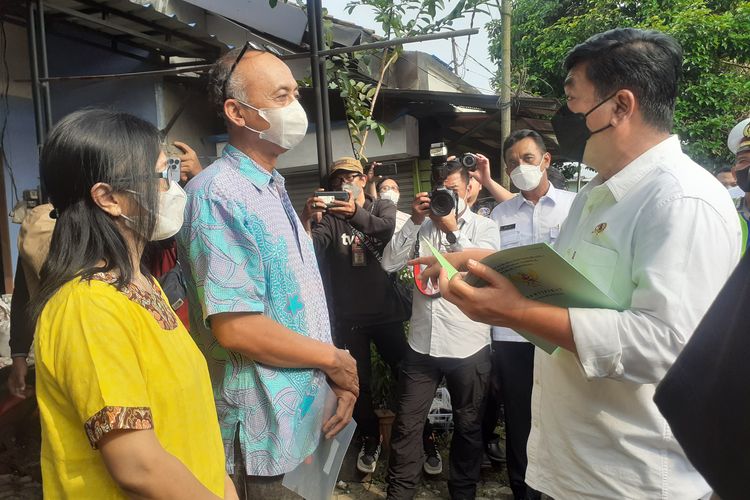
443,200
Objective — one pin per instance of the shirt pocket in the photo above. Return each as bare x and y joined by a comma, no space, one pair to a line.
510,238
597,263
554,232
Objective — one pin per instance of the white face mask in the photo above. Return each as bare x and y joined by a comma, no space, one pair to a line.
287,125
461,206
390,195
354,189
170,216
527,177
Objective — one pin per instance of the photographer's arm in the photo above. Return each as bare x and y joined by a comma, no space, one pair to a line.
399,250
483,175
379,224
312,213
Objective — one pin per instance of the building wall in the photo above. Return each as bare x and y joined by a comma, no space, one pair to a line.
66,57
195,124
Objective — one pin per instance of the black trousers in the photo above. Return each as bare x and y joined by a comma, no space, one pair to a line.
467,381
391,343
513,378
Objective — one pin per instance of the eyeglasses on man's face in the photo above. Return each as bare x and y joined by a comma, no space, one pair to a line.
341,178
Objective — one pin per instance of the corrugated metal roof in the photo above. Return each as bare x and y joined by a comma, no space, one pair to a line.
139,25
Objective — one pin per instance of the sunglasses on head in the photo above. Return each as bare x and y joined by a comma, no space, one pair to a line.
251,45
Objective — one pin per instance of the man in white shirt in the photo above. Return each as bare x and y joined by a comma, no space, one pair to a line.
533,217
442,342
655,232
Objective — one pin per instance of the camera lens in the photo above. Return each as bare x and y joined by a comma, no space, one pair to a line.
442,203
469,161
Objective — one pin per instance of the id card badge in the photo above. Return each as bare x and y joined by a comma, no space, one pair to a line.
554,232
359,258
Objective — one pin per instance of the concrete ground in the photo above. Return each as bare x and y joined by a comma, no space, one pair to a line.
354,486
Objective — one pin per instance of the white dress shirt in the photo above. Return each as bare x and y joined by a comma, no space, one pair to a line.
439,328
401,218
661,237
524,223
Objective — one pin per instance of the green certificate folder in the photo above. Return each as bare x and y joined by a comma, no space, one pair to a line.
540,273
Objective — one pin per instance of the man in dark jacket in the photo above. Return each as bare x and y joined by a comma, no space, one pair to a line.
349,241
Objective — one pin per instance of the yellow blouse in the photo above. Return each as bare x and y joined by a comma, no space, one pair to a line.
109,360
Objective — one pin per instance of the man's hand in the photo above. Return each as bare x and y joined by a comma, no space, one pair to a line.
498,303
189,164
371,177
17,377
482,173
446,224
420,208
345,209
314,209
344,372
345,401
456,259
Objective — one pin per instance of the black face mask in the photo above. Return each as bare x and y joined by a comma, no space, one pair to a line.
742,179
572,132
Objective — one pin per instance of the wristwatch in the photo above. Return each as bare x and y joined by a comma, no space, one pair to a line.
453,245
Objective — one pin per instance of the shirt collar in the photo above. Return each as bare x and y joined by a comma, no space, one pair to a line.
627,178
520,200
467,216
259,176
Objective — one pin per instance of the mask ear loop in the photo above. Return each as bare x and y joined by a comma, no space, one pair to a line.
259,114
594,132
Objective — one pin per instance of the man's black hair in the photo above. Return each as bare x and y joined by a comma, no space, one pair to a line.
382,180
522,134
724,170
646,62
456,166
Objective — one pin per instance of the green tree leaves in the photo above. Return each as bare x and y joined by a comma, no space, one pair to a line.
715,90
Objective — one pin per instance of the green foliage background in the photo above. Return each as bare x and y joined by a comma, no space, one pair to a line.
714,34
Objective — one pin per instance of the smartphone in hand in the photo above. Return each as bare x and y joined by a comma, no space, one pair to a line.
328,197
385,169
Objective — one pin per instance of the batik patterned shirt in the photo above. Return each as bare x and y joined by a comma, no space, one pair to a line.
245,250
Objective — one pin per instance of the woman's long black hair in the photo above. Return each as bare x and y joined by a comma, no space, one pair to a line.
84,148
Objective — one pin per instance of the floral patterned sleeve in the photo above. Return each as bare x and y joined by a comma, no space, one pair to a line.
112,418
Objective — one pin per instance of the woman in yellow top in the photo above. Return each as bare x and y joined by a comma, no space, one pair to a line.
124,394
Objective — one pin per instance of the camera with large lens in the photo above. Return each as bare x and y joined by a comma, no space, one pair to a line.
443,200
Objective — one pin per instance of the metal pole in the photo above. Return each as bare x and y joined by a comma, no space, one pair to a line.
35,86
505,88
314,71
324,87
44,69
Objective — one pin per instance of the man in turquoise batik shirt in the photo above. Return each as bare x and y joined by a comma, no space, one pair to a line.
259,312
